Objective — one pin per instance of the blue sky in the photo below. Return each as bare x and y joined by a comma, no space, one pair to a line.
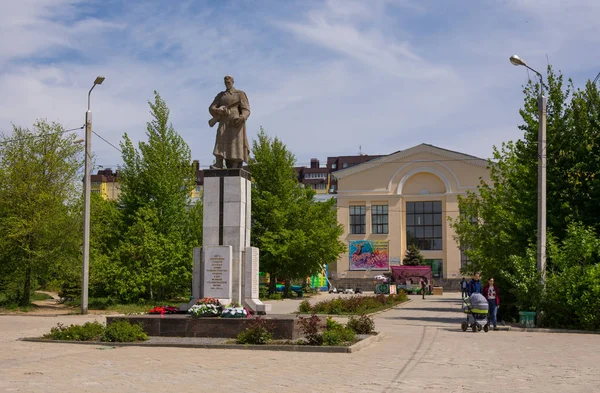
324,76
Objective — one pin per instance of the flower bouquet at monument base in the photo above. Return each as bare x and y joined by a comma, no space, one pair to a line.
206,307
164,310
235,310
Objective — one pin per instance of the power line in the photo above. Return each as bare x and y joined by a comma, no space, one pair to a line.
7,141
119,150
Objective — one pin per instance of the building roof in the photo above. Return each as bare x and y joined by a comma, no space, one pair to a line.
445,155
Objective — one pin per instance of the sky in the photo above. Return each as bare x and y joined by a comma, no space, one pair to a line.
327,77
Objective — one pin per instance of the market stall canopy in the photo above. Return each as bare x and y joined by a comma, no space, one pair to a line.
402,273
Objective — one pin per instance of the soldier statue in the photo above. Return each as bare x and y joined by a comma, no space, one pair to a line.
230,109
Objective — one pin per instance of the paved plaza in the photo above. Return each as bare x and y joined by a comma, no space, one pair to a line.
423,350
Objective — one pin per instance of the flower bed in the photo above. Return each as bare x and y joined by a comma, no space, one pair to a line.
353,305
315,331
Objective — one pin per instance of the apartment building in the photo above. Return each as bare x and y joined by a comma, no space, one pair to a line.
106,183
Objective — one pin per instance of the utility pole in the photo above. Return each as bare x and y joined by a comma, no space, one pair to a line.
541,213
86,202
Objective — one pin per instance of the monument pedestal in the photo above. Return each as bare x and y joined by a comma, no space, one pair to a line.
226,217
226,222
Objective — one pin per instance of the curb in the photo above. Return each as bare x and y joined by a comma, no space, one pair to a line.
546,330
42,315
288,348
366,342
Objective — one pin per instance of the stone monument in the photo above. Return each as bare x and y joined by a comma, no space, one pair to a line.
230,109
227,267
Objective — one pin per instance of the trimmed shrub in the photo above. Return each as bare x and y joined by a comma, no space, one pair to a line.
357,304
363,324
305,307
258,332
332,338
124,332
89,331
311,328
337,334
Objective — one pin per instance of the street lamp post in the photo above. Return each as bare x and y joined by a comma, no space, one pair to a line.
541,218
86,202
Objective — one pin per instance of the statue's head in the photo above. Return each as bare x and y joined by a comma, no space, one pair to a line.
228,82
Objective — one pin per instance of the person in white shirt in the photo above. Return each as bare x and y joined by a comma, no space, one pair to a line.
490,291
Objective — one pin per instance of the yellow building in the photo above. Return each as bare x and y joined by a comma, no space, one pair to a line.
106,183
400,199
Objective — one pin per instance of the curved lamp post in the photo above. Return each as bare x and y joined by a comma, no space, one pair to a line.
541,216
86,202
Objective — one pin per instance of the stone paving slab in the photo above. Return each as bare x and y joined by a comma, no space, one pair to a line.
423,350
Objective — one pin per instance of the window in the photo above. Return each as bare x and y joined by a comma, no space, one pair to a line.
437,267
358,220
424,225
345,165
315,176
320,186
379,219
333,166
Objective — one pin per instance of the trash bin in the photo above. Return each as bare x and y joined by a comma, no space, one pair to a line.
527,319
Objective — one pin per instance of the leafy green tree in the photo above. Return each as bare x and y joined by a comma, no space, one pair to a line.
296,235
160,173
159,228
106,232
501,241
413,257
39,222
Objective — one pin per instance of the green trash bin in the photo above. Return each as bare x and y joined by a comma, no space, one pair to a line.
527,319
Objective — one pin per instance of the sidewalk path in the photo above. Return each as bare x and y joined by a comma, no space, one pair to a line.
424,350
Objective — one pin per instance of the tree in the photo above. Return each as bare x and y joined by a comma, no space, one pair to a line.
160,174
39,223
413,257
296,235
153,258
497,224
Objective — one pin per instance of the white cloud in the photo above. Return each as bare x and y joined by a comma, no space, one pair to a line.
383,74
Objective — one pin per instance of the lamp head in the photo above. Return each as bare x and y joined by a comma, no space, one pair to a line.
99,80
516,60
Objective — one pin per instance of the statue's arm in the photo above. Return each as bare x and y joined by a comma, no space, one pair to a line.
244,106
214,107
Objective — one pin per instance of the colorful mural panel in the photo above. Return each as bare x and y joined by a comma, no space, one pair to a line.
369,255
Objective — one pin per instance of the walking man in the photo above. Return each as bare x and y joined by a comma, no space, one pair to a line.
423,286
475,284
463,287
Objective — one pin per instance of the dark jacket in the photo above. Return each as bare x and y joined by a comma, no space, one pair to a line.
474,287
485,293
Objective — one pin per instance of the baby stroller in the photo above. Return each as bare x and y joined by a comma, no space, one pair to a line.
476,308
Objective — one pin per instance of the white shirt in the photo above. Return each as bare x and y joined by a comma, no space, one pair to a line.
491,292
